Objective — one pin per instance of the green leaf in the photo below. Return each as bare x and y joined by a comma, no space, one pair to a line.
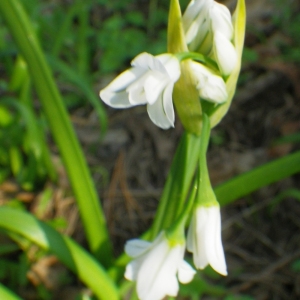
7,294
253,180
68,251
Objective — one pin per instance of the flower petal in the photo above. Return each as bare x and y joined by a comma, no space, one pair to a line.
132,269
211,87
163,282
168,103
193,18
225,53
116,100
196,238
126,78
214,247
171,65
136,247
157,114
154,86
214,90
150,268
221,20
147,62
185,272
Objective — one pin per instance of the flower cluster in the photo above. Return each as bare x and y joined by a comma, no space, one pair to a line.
209,31
155,265
214,38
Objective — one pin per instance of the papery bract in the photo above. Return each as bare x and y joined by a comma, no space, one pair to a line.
204,238
155,266
150,81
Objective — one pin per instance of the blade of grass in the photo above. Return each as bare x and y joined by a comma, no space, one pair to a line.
7,294
89,205
68,251
253,180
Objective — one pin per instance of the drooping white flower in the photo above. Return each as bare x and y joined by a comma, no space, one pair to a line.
155,267
211,86
150,81
209,30
204,239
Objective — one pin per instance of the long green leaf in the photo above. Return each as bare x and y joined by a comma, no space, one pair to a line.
68,251
251,181
6,294
61,128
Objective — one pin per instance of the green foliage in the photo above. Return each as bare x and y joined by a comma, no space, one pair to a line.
289,22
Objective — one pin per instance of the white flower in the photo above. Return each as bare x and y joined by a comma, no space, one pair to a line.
211,87
194,18
155,266
224,53
208,29
204,239
150,81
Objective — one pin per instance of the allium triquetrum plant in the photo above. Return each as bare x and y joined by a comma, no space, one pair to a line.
197,78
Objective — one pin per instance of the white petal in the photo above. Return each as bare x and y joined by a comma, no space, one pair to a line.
185,272
151,265
154,86
136,247
214,89
190,245
225,53
200,253
171,65
221,20
191,17
147,61
168,103
157,114
116,100
211,87
126,78
214,247
165,281
132,269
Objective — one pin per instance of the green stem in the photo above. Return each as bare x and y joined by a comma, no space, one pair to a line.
205,195
178,183
176,231
181,56
61,128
